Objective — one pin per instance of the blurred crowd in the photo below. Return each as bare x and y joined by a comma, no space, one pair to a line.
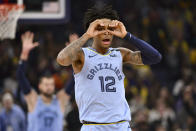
162,97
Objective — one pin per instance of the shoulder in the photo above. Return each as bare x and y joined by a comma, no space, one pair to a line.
2,113
18,109
114,49
124,51
55,98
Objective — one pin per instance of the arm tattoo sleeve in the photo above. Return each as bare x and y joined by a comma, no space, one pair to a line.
72,49
136,57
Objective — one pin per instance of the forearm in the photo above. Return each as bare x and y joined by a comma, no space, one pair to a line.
149,54
23,81
24,55
69,53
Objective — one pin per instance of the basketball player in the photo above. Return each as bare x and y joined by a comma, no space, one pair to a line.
45,111
99,86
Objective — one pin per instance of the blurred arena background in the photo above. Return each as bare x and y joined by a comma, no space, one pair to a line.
161,97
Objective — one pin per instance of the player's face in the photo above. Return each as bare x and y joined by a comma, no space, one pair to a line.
47,86
104,40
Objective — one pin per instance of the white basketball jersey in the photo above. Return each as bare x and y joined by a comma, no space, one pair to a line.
99,88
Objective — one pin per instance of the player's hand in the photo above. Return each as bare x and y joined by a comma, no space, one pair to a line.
27,42
93,31
117,28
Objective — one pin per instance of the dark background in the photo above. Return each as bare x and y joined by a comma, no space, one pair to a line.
161,97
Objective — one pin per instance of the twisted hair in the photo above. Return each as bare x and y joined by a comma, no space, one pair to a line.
99,13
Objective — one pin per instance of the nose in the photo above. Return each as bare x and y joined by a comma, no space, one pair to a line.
107,33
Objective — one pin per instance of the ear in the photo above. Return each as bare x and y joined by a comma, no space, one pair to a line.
39,86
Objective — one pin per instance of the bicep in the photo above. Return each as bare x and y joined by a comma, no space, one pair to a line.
131,57
66,58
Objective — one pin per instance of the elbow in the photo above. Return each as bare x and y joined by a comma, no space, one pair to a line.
61,61
158,58
152,59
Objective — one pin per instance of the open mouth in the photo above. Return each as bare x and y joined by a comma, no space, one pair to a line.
106,41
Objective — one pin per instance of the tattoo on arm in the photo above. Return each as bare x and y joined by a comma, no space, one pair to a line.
71,51
132,57
136,58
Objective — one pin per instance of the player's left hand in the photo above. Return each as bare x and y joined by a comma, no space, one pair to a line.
117,28
27,42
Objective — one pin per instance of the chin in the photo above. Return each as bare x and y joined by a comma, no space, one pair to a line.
48,94
105,45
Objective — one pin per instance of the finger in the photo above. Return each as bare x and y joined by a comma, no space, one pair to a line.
101,32
111,32
98,22
118,23
31,36
24,35
36,44
112,24
101,23
27,34
95,22
121,24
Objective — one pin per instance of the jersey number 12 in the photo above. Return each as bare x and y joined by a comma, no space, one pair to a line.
107,87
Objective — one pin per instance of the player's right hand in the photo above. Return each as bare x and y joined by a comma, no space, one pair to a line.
92,29
27,42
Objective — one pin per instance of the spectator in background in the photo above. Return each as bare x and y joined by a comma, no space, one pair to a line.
2,124
12,116
186,109
45,110
162,114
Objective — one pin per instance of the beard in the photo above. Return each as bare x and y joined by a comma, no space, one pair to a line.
47,94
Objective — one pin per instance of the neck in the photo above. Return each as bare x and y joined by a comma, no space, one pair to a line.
8,110
46,99
99,49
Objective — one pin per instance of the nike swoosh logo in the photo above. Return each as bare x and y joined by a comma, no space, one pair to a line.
90,56
113,55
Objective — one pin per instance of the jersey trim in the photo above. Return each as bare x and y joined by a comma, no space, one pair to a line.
99,53
106,123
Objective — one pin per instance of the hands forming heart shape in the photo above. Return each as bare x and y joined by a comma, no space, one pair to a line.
114,27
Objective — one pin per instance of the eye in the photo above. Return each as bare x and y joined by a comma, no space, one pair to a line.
100,28
111,28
